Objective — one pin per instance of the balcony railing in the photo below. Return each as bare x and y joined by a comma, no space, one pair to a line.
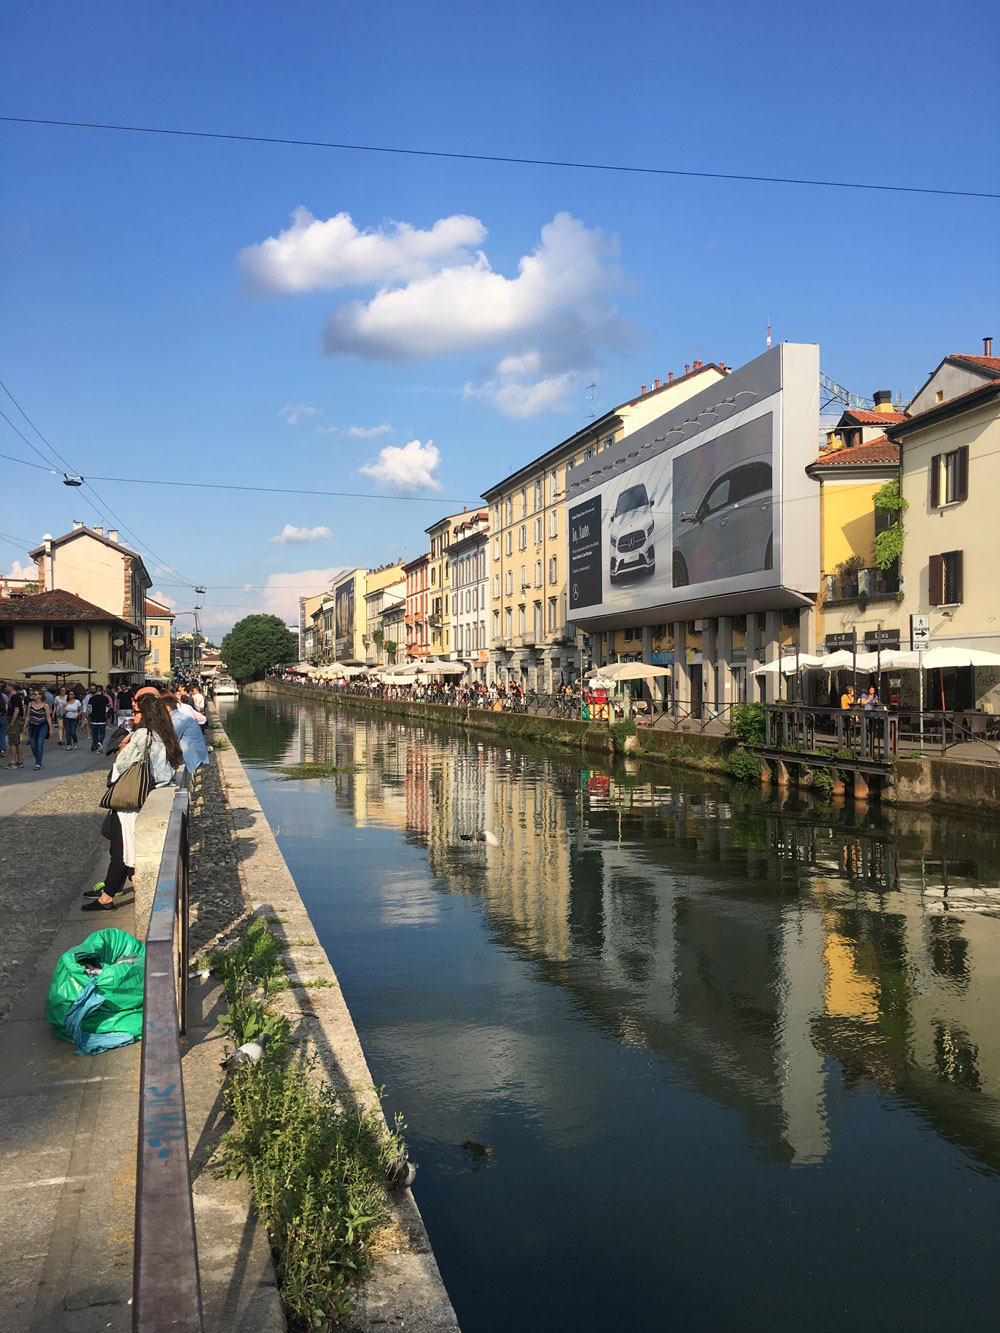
852,585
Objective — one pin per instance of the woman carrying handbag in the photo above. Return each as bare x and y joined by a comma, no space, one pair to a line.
147,759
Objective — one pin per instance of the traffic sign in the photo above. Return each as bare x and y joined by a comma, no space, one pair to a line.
920,633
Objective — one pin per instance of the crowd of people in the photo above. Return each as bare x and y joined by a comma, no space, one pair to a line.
498,697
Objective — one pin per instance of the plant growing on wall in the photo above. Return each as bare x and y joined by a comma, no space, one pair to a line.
889,542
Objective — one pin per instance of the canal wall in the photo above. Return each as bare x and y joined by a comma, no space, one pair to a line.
683,748
405,1288
947,782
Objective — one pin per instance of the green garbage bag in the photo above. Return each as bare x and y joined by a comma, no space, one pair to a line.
118,961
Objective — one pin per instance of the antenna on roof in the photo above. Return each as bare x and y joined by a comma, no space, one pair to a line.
769,333
591,396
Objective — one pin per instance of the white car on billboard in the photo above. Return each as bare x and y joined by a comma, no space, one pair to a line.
632,549
730,531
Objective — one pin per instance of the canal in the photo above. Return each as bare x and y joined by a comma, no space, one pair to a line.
674,1053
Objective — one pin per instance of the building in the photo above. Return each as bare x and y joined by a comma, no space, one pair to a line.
59,626
159,619
468,574
385,589
308,607
99,569
17,585
417,628
858,601
440,640
349,624
532,639
950,479
703,524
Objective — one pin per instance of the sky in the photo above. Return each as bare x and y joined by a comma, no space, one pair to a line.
408,330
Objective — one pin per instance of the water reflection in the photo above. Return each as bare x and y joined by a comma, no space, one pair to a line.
773,959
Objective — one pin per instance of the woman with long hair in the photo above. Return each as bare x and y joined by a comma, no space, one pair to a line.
153,738
39,724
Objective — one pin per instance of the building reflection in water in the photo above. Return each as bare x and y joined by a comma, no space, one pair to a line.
746,944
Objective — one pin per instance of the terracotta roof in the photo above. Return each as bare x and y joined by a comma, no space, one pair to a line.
868,418
157,611
986,362
880,450
57,607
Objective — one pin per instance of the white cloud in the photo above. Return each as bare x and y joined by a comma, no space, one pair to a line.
369,432
326,430
410,468
19,571
516,398
312,254
289,534
280,595
293,413
157,596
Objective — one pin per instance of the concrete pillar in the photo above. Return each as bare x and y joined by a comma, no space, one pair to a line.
772,651
709,658
781,773
860,787
755,684
724,657
682,683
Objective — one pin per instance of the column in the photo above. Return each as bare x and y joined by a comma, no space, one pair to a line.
709,659
682,683
772,651
724,656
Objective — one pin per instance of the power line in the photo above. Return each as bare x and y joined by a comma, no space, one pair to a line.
282,490
495,157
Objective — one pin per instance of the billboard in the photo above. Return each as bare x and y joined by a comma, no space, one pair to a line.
708,506
343,618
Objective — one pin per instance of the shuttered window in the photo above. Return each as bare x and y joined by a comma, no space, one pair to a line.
946,578
950,477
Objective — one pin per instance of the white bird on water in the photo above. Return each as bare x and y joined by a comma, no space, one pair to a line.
481,835
247,1054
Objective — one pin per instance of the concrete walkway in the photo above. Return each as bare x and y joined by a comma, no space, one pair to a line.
68,1123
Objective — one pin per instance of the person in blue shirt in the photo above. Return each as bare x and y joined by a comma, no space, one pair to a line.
189,734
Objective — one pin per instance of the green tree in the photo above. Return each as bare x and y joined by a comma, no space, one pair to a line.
256,643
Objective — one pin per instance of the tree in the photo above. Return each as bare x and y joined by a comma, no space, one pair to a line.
256,643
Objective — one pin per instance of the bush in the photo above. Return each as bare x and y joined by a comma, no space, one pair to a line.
742,765
822,782
619,731
748,723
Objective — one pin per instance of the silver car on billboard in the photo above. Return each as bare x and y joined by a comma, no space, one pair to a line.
632,524
730,531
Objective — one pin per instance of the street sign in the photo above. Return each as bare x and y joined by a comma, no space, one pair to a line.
920,633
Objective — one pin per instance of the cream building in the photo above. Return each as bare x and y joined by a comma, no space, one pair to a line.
385,590
439,627
469,575
531,641
98,568
59,626
159,620
950,469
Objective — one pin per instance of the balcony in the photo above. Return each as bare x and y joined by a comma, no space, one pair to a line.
526,640
862,584
502,641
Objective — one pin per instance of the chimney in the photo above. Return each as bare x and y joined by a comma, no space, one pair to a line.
99,530
670,376
77,524
642,391
112,534
987,347
49,573
883,400
687,369
656,382
697,365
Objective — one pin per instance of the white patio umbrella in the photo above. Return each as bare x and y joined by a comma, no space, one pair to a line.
638,671
947,656
60,668
787,664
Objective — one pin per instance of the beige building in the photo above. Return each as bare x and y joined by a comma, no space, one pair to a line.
385,592
439,626
159,619
99,569
531,641
59,626
950,469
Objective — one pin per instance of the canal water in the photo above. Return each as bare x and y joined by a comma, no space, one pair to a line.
673,1054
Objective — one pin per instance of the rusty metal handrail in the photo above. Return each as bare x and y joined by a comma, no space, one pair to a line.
166,1292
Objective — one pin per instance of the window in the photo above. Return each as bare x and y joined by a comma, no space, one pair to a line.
537,531
522,537
524,501
538,573
509,507
434,574
553,485
522,620
538,494
496,548
496,624
553,569
510,582
57,637
6,636
945,578
496,585
608,441
509,622
552,615
524,576
155,657
509,543
496,514
537,621
554,524
629,635
587,453
950,477
154,631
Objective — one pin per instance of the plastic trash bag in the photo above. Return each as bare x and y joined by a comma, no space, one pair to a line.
119,982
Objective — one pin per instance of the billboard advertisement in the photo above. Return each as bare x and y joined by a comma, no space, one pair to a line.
343,618
706,505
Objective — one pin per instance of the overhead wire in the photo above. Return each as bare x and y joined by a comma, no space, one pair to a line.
500,158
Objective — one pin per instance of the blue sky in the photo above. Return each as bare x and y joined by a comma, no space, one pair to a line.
161,316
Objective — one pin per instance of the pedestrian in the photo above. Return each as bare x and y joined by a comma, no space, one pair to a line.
15,726
869,701
189,734
124,704
154,738
71,718
97,717
3,724
39,725
847,698
58,713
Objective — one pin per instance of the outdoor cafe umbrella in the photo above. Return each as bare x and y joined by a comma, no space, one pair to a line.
61,668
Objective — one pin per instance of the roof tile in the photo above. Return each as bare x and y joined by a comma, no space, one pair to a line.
868,418
880,450
57,607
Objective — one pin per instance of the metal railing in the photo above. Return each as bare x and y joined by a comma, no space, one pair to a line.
166,1292
868,736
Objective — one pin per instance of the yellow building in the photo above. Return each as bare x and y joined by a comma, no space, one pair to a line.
439,592
858,601
59,626
159,619
105,573
531,641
